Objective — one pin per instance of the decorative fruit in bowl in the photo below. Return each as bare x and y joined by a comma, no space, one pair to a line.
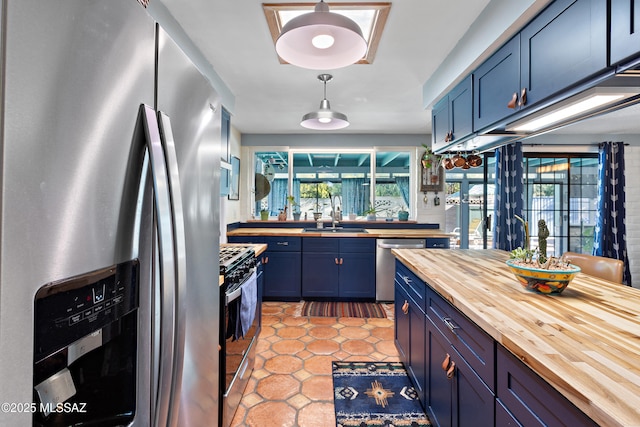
543,280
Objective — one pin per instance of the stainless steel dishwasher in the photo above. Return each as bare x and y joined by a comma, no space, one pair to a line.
385,264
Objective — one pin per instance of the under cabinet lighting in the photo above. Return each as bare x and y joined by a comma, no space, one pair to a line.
589,101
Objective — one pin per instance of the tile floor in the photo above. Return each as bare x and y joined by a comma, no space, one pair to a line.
291,384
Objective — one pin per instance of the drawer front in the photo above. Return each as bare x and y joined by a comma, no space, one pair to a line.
415,286
477,348
531,400
437,243
284,244
318,244
246,239
357,244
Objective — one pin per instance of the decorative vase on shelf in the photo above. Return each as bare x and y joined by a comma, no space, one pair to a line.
403,215
264,215
296,216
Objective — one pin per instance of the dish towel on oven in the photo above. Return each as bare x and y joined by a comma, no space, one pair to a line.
248,303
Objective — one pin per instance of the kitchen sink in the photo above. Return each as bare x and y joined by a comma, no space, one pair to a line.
335,230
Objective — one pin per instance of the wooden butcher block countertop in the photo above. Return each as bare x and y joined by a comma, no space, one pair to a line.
385,233
585,342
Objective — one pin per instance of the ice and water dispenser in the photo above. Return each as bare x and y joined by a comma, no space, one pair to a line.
85,349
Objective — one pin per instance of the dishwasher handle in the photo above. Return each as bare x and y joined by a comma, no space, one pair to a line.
401,245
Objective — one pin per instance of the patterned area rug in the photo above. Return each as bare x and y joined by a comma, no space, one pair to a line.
344,309
375,394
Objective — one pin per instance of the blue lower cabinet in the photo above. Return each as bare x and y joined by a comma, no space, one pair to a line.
282,276
341,268
402,322
281,266
320,275
456,394
417,361
530,400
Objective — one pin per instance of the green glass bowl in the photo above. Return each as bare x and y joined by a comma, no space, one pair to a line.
543,281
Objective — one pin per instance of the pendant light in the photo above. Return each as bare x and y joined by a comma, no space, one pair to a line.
324,118
321,40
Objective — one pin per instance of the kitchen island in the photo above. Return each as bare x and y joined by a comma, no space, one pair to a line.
583,343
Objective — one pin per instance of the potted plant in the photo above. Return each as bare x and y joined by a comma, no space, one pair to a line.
295,208
264,214
535,271
427,157
371,213
403,214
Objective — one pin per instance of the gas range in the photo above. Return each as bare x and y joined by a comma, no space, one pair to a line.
236,264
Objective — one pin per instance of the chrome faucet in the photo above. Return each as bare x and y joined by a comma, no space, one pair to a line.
336,215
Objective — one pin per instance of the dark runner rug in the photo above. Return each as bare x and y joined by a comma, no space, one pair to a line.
375,394
343,309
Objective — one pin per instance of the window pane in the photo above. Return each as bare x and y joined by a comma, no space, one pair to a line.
392,192
332,182
271,168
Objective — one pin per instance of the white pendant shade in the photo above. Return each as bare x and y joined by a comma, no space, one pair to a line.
321,40
324,118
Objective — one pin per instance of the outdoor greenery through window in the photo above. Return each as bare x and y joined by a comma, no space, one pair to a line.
326,183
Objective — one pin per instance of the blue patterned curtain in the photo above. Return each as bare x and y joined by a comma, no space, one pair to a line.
278,195
508,232
610,235
354,195
403,185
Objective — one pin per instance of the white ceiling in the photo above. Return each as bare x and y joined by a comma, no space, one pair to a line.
419,42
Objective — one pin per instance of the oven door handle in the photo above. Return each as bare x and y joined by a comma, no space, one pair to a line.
234,295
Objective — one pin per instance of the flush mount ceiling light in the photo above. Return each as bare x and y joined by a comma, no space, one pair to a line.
324,118
585,103
321,40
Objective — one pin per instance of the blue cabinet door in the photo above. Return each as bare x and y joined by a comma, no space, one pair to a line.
473,402
439,388
461,109
417,355
530,400
357,275
496,83
401,324
440,124
282,276
625,30
563,45
320,275
452,116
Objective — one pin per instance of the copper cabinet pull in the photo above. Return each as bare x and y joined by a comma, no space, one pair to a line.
446,362
449,136
405,307
523,97
451,370
514,101
337,263
341,261
266,260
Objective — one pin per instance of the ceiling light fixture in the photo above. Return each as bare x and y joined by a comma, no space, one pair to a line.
324,118
321,40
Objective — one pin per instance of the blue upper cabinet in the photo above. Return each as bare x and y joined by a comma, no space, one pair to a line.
496,85
565,44
625,30
452,116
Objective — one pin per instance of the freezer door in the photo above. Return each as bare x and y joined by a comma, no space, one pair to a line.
74,73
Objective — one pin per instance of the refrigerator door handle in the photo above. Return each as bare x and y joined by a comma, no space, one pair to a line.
171,158
167,268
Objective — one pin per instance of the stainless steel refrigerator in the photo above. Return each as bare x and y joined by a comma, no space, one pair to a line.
93,98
